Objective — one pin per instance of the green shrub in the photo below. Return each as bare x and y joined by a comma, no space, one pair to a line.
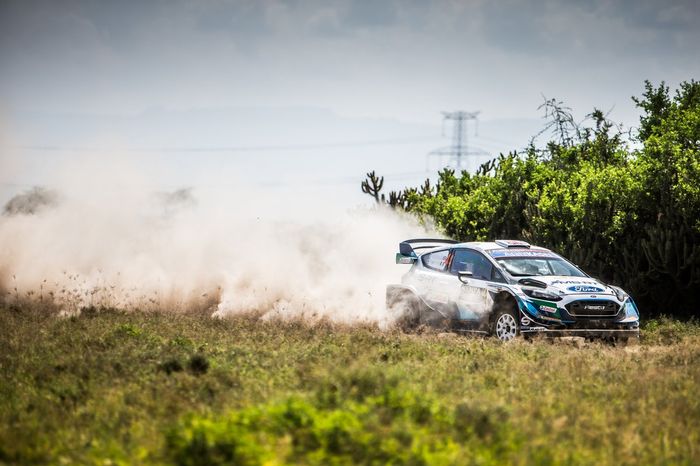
396,426
665,330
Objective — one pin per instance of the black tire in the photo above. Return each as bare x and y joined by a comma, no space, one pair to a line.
504,321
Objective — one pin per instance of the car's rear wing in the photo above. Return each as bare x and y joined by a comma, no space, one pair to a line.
407,249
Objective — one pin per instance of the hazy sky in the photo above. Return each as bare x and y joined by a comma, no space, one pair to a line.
401,59
370,64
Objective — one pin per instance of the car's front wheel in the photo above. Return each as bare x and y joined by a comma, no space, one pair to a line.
505,324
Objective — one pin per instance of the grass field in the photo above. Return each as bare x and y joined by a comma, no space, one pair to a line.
145,388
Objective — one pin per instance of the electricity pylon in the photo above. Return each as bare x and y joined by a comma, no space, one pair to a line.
459,150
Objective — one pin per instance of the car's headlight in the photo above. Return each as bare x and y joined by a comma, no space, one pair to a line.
631,312
619,293
538,294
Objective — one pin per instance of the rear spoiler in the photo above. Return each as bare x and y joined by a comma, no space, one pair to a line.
407,249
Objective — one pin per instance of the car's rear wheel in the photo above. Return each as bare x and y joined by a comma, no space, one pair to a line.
504,325
405,307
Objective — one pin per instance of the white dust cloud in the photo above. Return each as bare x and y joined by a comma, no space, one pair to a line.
105,240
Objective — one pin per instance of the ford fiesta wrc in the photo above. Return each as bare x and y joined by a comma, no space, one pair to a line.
506,288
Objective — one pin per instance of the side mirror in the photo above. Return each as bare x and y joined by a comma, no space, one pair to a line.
532,282
464,276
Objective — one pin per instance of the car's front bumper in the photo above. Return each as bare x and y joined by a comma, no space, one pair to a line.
624,324
583,332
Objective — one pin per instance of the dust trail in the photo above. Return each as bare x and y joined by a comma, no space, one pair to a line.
30,202
103,241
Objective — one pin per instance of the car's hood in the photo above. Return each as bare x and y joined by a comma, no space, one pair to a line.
574,285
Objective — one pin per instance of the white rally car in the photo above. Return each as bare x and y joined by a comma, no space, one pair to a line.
506,288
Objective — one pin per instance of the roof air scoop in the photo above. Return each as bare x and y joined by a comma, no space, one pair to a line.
512,243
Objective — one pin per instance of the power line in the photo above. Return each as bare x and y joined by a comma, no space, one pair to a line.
325,181
270,148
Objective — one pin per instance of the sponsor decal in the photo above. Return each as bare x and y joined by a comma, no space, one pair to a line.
516,253
585,289
550,309
570,282
590,307
525,321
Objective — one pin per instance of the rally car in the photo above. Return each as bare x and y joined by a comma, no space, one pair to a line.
506,288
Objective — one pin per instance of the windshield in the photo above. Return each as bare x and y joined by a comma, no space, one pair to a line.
530,266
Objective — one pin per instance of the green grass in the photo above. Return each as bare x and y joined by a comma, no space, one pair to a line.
144,388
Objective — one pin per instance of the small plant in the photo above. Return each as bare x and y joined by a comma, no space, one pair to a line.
171,365
129,329
198,364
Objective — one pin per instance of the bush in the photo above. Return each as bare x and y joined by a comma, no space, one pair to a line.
396,426
666,331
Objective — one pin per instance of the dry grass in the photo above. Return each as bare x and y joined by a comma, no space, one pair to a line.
113,387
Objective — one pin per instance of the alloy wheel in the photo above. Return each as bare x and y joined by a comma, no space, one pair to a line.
506,327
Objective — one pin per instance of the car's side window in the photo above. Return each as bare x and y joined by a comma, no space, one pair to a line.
436,260
466,260
497,276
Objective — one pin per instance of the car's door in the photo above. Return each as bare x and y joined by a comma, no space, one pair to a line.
427,281
472,299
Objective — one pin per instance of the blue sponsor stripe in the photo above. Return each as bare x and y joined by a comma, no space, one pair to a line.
514,253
